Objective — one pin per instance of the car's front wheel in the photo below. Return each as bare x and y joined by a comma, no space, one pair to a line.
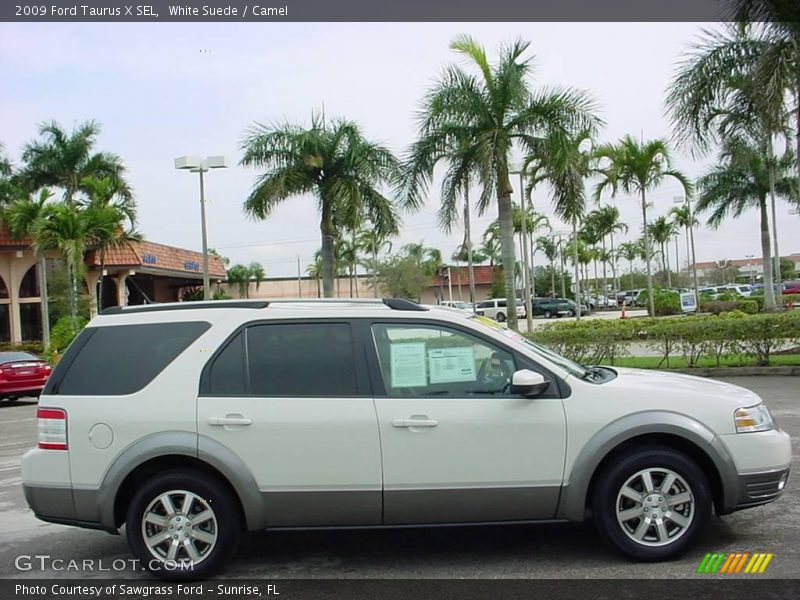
500,317
652,504
548,314
183,525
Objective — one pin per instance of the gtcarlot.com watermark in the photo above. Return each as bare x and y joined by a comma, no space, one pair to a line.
45,562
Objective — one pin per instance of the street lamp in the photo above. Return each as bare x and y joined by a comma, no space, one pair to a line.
688,202
195,164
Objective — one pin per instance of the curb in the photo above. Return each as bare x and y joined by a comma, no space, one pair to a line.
740,371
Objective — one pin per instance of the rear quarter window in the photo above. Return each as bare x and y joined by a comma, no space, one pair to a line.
120,359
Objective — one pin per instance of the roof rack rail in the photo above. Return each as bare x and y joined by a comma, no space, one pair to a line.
158,307
402,304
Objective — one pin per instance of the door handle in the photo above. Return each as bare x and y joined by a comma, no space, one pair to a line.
414,422
229,420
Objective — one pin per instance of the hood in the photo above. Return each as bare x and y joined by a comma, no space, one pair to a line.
683,386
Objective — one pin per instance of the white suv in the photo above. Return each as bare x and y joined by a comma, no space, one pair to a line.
497,309
191,423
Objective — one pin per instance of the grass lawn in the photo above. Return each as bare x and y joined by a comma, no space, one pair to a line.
678,362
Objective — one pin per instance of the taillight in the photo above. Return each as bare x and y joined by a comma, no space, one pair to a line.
52,428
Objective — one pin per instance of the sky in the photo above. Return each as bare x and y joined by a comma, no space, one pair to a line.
165,90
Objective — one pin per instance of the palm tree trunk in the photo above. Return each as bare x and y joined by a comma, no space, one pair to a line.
677,258
468,238
506,221
686,230
577,270
650,299
630,264
73,296
327,230
776,255
563,270
766,259
665,252
614,265
553,277
605,273
374,268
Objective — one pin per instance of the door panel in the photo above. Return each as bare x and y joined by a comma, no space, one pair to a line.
455,447
316,461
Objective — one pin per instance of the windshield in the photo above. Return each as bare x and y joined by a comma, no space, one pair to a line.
565,363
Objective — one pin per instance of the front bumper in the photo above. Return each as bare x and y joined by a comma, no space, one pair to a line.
761,488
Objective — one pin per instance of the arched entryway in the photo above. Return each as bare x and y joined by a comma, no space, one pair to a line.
5,313
30,308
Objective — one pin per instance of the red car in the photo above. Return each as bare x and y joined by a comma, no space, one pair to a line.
22,374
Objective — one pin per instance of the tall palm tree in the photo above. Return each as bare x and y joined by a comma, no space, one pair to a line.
608,222
65,159
743,80
636,168
21,217
629,251
491,108
547,246
110,199
742,180
661,231
332,161
373,242
565,161
683,218
591,235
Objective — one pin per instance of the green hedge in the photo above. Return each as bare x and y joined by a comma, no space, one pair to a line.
716,307
32,347
693,337
788,300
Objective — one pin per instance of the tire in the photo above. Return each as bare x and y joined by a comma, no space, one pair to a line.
571,313
661,538
214,538
500,317
548,314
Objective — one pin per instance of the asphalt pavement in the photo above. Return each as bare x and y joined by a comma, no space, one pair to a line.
525,551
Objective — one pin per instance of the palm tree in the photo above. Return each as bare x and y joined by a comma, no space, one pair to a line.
743,80
491,247
372,241
590,234
741,180
65,160
547,246
331,161
242,276
608,222
110,199
565,162
314,270
21,217
630,251
662,231
682,217
636,168
491,109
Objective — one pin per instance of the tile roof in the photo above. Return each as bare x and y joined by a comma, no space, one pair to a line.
151,255
484,275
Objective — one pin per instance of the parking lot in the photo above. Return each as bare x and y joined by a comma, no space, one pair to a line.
529,551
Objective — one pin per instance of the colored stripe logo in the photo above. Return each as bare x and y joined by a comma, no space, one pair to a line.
735,562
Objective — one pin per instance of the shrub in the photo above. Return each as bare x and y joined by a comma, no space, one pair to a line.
62,333
716,307
32,347
665,302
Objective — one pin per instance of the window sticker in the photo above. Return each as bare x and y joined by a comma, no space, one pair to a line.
452,365
408,365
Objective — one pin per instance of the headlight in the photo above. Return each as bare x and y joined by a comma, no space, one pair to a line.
753,418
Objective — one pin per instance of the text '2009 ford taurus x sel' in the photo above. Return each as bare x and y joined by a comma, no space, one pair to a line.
191,423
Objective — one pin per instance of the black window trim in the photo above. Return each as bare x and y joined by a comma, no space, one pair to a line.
363,387
558,389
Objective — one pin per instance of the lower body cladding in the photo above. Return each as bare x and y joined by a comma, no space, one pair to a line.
760,488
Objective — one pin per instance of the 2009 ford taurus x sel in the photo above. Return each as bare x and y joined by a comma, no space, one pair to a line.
190,423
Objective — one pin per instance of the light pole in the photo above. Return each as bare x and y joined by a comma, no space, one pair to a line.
750,258
195,164
688,202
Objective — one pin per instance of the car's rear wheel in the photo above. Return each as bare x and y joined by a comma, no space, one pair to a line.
652,504
571,313
548,314
183,525
501,317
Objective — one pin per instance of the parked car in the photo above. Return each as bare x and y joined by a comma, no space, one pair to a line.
22,374
188,423
712,293
740,289
458,304
627,297
496,309
551,307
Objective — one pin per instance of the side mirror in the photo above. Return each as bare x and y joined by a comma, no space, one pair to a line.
528,383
